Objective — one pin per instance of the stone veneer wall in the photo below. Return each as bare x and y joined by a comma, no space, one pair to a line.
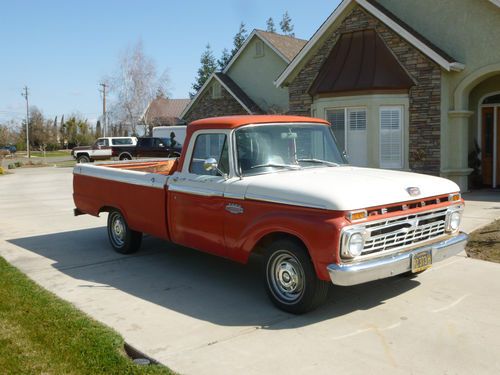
206,106
424,97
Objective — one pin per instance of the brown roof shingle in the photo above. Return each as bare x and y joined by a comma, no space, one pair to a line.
239,93
288,46
163,108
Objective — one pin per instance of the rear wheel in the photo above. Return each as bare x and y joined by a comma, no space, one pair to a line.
123,239
83,159
291,280
125,157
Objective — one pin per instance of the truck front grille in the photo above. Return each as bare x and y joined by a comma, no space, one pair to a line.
404,231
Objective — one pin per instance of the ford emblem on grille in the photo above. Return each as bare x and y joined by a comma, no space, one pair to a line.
413,191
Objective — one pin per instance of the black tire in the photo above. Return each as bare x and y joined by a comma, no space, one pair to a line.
125,157
123,239
83,159
290,278
174,155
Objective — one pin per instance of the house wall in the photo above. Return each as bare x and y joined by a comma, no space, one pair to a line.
206,106
424,152
256,75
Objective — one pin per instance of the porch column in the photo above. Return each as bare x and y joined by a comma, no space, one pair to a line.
458,148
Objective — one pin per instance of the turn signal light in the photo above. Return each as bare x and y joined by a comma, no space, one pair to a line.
357,215
454,197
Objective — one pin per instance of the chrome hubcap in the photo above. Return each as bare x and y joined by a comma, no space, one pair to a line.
286,277
118,230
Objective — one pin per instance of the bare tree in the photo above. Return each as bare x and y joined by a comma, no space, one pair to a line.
134,85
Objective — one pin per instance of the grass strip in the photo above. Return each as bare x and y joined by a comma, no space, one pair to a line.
42,334
484,243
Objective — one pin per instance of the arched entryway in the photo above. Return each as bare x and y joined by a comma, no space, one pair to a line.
489,137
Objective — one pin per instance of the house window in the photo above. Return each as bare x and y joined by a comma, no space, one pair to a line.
391,137
259,48
349,128
216,91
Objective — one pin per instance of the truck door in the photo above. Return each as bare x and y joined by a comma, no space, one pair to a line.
196,205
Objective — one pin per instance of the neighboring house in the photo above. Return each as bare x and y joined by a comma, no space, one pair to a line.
406,84
164,112
246,85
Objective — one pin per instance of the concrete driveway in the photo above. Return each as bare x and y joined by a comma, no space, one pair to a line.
199,314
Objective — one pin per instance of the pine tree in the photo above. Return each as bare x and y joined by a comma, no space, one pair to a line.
98,131
286,25
224,59
208,66
270,25
239,39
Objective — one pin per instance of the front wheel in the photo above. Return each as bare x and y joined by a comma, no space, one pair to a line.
123,239
125,157
83,159
291,280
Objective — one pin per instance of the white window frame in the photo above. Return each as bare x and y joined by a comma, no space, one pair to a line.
391,164
347,125
259,48
216,90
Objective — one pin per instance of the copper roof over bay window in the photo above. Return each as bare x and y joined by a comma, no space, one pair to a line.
360,62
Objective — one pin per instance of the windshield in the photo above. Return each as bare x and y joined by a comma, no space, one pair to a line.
267,148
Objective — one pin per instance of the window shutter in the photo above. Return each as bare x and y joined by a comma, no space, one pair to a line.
357,119
391,137
336,117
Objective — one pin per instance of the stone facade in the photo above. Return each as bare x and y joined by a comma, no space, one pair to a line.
424,97
206,106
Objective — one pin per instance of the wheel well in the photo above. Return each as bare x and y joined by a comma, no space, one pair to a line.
268,239
78,154
107,209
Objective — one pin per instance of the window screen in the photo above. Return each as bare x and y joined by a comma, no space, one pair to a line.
391,137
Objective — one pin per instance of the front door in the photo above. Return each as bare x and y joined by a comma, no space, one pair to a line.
490,146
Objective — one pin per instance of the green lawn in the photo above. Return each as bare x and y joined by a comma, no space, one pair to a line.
41,334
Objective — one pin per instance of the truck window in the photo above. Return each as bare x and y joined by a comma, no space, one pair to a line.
145,142
102,142
121,141
210,146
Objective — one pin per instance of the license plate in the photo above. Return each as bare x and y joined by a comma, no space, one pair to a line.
421,261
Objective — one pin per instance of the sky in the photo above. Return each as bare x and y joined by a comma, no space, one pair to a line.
62,50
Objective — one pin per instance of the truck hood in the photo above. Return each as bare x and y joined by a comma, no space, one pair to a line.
343,188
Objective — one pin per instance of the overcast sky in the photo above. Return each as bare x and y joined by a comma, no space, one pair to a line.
62,49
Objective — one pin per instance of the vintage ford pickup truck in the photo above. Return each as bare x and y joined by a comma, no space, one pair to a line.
280,187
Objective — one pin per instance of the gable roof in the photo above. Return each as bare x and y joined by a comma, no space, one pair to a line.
236,92
163,108
447,62
360,61
285,46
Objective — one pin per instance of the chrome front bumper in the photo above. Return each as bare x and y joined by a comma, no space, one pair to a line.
394,264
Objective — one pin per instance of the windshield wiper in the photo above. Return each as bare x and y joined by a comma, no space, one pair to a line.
276,165
319,161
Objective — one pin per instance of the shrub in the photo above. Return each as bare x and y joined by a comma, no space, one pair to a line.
1,171
18,164
11,166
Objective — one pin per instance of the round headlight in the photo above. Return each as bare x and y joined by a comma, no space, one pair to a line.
355,245
454,221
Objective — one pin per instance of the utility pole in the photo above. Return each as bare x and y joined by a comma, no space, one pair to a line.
104,115
25,94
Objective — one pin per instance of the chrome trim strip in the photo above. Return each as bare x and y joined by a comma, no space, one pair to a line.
362,272
234,196
265,198
195,190
125,176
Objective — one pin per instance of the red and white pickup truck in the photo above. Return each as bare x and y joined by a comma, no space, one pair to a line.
278,186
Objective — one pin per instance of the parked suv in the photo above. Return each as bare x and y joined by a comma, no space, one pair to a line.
148,147
101,149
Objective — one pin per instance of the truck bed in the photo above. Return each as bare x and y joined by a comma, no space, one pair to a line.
137,187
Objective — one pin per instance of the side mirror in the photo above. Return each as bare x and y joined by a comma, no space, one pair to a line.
210,164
